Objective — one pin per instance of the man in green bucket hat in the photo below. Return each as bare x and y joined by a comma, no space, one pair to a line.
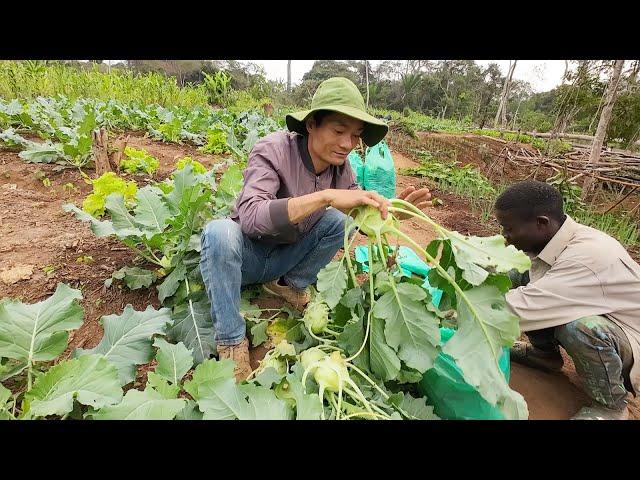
340,95
281,232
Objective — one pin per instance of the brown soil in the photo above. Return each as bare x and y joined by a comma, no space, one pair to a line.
36,232
44,245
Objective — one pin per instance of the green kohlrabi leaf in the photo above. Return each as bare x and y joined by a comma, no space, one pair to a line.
128,337
39,331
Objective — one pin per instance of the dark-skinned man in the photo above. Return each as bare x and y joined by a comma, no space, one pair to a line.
582,293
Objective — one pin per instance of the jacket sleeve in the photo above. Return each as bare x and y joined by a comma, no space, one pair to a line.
260,212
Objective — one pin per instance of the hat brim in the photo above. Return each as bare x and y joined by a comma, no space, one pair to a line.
374,129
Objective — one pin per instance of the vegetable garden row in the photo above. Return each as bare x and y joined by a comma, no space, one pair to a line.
358,351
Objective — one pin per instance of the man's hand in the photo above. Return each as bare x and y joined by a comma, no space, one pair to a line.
345,200
418,198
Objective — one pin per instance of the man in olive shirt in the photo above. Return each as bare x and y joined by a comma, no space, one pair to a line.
582,292
281,232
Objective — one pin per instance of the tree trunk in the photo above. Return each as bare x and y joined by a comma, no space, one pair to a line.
560,120
484,109
106,158
366,74
505,93
603,123
100,150
288,75
515,116
597,114
506,98
503,115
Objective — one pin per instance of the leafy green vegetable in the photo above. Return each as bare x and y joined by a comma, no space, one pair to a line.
104,186
216,142
220,398
91,380
39,332
134,277
138,160
193,326
174,361
127,339
197,167
145,405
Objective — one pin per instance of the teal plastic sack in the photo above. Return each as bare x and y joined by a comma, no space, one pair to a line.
377,172
453,398
409,262
357,166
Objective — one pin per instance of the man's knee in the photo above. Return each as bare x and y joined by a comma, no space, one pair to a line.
574,334
221,237
587,335
335,220
601,355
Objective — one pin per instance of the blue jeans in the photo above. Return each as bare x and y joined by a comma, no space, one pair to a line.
230,260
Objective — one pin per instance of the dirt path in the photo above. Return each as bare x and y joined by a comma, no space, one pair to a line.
44,245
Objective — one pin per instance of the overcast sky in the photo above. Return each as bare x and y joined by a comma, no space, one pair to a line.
543,75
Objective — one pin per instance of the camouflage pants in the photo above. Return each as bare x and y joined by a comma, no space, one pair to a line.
599,349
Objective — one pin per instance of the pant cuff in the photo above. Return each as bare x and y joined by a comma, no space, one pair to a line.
230,342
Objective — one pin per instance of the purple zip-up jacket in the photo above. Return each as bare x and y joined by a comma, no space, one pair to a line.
280,168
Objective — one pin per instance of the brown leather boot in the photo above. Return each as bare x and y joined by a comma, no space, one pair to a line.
526,354
240,355
297,298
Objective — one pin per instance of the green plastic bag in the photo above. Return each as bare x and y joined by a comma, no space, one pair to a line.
453,398
444,385
377,172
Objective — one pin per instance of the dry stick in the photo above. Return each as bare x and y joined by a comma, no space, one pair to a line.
599,177
575,177
634,209
630,162
620,201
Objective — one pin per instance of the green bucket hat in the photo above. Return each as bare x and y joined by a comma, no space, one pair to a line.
340,94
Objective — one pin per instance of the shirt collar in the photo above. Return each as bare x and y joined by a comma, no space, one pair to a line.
303,147
559,242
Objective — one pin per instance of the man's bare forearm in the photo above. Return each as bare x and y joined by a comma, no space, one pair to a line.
300,208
